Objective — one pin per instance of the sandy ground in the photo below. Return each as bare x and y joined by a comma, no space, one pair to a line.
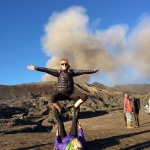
101,132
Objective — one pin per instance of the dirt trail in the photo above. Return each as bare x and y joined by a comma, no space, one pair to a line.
101,132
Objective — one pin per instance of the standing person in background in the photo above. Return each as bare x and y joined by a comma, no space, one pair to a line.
124,113
128,110
136,108
147,107
65,85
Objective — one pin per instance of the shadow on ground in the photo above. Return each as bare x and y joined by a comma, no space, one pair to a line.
23,126
98,144
32,147
84,115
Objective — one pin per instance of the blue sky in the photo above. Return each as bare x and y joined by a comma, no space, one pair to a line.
22,27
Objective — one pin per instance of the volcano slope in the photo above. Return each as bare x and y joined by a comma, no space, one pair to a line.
27,120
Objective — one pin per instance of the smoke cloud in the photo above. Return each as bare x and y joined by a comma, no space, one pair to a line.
121,57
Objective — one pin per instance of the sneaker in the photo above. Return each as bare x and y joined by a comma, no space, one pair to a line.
130,127
62,111
73,110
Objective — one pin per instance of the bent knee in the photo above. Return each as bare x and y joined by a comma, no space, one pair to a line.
84,97
54,98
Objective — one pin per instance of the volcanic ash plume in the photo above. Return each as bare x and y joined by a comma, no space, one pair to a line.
140,45
67,35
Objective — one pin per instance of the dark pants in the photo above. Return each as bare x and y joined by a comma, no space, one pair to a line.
125,119
61,128
68,96
136,118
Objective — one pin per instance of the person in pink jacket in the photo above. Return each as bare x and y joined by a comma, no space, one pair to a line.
128,110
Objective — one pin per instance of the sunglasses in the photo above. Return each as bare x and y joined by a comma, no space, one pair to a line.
64,64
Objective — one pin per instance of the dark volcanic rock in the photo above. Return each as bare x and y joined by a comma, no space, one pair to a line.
30,104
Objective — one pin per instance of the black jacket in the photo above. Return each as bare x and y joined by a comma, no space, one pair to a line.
65,78
136,105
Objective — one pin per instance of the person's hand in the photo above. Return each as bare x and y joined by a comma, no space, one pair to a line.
31,67
57,132
96,70
79,124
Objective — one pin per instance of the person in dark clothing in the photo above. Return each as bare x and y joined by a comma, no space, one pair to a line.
75,140
136,108
65,85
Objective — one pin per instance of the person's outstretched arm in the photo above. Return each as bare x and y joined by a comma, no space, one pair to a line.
52,72
81,72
